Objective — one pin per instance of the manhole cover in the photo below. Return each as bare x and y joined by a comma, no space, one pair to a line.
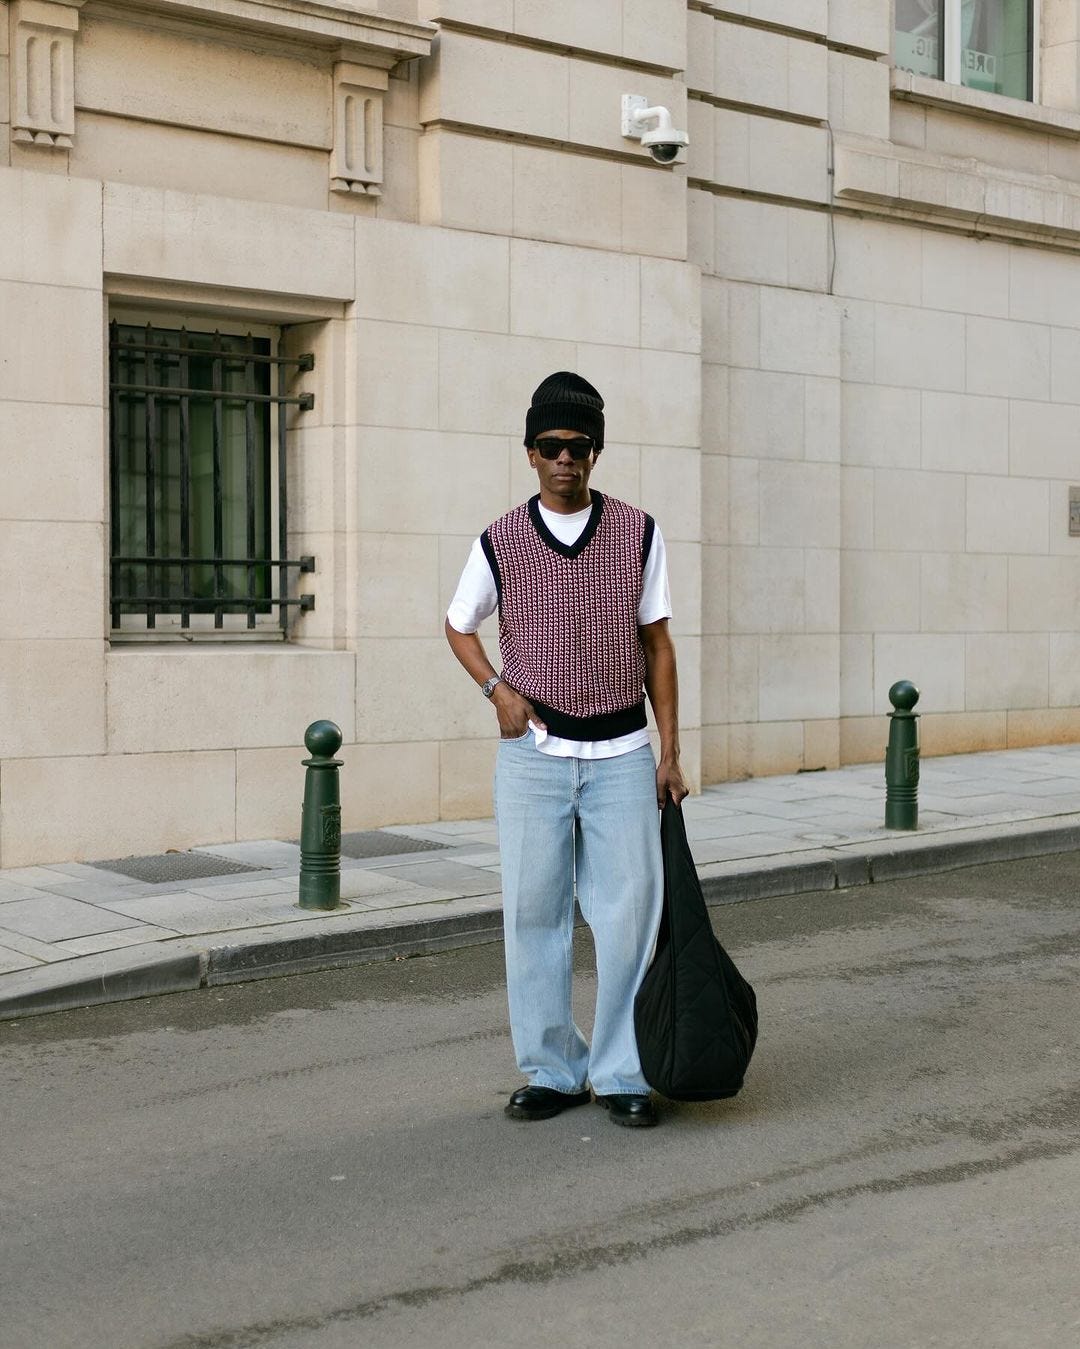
374,843
175,866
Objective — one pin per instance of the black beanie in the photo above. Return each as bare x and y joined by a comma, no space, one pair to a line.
566,402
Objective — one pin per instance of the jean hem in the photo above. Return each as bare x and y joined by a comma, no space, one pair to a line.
563,1091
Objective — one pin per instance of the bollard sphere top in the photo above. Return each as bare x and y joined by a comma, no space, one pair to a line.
323,738
903,695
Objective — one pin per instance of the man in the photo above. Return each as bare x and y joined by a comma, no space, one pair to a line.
580,582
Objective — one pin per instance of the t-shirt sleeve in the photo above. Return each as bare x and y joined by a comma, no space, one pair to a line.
476,597
655,602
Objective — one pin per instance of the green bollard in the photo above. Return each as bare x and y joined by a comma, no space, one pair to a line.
902,759
320,826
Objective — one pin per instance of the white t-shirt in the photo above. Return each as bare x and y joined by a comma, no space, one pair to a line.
477,598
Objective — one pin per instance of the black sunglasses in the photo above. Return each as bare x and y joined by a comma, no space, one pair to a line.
550,447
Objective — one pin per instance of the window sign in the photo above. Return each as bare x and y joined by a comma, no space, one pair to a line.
919,45
996,51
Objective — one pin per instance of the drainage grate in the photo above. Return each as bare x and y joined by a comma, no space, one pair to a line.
175,866
374,843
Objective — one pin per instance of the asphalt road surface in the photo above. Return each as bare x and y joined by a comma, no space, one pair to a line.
323,1161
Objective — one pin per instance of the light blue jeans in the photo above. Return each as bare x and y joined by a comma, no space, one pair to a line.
597,817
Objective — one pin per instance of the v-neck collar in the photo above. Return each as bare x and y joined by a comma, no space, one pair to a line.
582,541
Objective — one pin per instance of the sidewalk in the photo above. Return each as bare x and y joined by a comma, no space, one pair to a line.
72,934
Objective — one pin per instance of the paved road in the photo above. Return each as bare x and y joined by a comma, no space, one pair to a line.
323,1161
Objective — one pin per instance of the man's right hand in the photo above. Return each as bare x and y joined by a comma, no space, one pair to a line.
514,712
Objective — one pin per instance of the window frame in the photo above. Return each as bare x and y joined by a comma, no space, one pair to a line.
952,71
201,627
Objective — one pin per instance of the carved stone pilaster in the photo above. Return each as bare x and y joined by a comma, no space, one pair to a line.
356,161
43,71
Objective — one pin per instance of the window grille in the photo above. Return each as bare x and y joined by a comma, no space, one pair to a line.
198,476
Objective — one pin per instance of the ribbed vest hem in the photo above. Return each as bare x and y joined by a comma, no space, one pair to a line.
608,726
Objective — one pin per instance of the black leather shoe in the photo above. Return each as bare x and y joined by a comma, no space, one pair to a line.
543,1102
635,1112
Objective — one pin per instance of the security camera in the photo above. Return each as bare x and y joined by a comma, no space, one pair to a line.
663,141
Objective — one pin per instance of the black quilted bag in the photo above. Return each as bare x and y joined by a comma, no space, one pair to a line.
695,1015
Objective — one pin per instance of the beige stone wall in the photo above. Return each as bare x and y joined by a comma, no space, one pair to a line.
198,186
840,350
890,400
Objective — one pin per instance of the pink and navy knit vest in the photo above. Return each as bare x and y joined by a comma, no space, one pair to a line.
568,629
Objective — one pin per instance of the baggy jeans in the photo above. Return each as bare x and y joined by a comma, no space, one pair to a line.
600,817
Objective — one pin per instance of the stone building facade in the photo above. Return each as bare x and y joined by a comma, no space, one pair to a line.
278,276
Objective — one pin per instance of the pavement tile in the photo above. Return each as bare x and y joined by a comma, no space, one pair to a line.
189,914
449,827
431,833
12,960
449,876
32,876
736,827
796,811
50,918
976,806
362,884
83,871
730,849
10,892
240,889
485,858
416,895
46,952
969,787
269,853
95,892
113,941
1064,787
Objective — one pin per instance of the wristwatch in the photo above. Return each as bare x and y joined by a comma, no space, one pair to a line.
488,686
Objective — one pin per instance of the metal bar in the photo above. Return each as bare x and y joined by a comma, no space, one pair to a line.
114,478
185,482
249,476
301,562
305,401
150,436
205,605
304,362
283,493
219,521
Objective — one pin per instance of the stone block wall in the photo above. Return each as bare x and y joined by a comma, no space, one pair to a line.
888,271
198,185
840,349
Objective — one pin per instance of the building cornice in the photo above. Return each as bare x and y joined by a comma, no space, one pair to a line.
343,30
957,193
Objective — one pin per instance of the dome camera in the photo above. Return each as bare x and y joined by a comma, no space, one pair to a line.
665,146
663,140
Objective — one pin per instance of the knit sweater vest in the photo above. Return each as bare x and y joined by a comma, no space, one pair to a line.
568,629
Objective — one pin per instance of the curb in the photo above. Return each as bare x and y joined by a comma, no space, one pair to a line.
267,955
112,976
182,965
887,860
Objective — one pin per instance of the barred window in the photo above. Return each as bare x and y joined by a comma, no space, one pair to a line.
198,440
